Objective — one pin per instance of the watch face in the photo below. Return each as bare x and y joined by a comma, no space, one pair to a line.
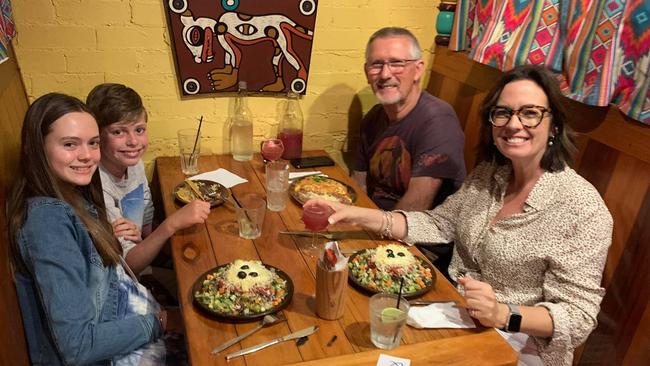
515,323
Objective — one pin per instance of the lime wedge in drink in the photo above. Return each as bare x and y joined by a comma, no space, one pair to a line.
391,314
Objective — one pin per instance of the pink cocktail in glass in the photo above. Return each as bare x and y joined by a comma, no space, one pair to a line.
292,140
315,219
272,149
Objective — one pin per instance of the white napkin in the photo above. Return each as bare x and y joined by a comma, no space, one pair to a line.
222,176
294,175
439,315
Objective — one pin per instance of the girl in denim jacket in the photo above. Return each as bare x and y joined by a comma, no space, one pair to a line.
78,304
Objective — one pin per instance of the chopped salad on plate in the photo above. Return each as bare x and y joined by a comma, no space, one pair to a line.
240,289
381,270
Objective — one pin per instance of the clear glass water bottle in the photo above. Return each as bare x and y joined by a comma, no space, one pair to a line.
290,130
241,130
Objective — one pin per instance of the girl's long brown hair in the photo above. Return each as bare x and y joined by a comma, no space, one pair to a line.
35,178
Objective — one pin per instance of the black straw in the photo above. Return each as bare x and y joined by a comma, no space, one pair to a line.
399,298
198,133
399,295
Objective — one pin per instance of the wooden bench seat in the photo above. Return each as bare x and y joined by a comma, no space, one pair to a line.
13,105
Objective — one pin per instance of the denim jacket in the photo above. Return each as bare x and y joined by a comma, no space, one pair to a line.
68,298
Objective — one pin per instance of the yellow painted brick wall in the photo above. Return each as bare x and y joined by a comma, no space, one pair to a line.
70,46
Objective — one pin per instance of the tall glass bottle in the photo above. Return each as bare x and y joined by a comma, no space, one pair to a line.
241,131
290,130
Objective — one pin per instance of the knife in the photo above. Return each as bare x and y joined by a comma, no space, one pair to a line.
429,302
332,235
306,233
301,333
308,175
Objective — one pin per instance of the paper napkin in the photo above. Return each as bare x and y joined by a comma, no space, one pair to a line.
439,315
295,175
221,176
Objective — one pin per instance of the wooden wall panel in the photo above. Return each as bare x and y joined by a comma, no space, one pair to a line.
13,104
624,201
614,155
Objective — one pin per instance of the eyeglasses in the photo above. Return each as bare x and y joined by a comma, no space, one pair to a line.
530,116
395,66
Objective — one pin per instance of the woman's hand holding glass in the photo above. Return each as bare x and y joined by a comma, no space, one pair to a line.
347,214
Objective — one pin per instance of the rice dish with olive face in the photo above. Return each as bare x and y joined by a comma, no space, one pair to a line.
244,287
381,269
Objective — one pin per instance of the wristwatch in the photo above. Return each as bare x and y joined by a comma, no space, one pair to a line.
513,323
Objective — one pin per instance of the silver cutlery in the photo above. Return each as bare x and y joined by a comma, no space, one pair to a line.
308,175
266,321
299,334
332,235
429,302
309,234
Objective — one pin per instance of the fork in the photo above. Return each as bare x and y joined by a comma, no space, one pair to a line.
267,320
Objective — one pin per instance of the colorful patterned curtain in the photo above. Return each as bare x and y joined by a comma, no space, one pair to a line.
599,49
7,29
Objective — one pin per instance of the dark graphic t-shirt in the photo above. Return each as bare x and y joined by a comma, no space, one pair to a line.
428,142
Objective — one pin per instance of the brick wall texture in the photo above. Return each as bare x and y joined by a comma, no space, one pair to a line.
70,46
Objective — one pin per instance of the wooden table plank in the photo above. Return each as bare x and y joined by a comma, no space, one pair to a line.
202,247
485,349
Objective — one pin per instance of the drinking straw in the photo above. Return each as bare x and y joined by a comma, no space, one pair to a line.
399,298
198,133
399,295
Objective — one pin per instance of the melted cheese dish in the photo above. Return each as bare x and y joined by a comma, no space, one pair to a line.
322,187
393,255
248,274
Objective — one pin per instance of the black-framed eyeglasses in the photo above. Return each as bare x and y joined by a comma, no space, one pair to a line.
395,66
530,115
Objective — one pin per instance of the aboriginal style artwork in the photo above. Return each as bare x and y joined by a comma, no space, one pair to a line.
218,43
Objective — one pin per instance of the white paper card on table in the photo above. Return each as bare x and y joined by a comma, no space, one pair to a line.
296,175
221,176
388,360
439,315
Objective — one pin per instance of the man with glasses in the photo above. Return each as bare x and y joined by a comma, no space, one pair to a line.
410,154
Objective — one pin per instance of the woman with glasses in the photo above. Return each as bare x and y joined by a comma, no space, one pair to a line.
531,236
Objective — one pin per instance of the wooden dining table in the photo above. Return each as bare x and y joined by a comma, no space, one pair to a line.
345,341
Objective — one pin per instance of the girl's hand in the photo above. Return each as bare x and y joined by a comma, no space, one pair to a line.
127,230
482,303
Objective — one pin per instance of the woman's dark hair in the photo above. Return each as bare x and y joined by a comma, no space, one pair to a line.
111,103
35,178
557,156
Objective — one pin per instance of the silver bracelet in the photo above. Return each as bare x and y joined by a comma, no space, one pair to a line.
384,223
388,230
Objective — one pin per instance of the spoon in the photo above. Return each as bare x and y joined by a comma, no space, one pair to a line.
267,320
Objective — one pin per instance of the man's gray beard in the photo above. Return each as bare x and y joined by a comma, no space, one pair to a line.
384,101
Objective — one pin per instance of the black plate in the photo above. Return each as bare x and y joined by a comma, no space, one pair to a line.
296,195
217,192
421,292
242,318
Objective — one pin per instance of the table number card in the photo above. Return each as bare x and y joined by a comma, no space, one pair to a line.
388,360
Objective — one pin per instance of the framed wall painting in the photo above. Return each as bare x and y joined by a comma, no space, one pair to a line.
219,43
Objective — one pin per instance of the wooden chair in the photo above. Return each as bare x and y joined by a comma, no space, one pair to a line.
13,105
614,155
